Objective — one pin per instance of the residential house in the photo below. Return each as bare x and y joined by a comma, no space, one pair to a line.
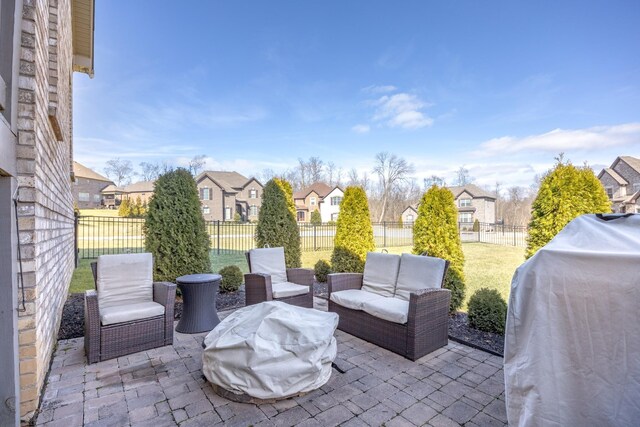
321,197
88,186
41,44
622,184
112,196
473,203
225,194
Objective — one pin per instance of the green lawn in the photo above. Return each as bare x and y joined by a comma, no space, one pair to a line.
486,265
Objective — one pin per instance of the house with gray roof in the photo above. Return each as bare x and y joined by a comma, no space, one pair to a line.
621,181
87,187
473,203
224,194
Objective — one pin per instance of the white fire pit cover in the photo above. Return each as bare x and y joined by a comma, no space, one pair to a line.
271,350
572,344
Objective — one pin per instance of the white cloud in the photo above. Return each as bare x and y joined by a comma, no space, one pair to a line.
361,128
559,140
402,110
377,89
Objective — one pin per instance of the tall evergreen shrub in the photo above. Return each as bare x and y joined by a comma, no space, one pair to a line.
124,211
435,232
174,228
316,218
354,233
565,193
277,225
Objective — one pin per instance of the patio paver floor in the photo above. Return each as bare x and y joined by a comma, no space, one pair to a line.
452,386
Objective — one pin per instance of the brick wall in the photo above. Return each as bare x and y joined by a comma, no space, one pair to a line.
44,170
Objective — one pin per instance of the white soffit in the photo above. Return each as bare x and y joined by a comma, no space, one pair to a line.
82,15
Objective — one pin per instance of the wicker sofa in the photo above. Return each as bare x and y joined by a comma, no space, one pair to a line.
127,312
271,280
398,303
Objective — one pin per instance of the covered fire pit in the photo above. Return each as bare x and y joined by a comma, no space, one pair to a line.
270,351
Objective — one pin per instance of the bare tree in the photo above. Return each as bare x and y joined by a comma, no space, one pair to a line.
197,164
391,170
266,175
433,180
120,171
315,169
150,171
303,172
334,174
463,177
352,177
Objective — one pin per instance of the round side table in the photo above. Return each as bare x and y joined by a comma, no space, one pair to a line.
199,313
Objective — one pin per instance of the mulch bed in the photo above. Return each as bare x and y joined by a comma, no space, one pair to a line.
72,324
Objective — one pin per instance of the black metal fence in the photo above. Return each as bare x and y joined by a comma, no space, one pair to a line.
112,235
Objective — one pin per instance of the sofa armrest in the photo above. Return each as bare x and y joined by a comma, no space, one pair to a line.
91,326
164,293
343,281
257,287
300,276
428,306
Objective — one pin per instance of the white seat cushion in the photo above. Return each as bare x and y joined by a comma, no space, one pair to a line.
124,279
380,273
353,298
269,261
287,289
388,308
129,312
418,272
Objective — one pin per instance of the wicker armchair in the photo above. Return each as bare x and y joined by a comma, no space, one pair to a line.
127,312
271,280
427,320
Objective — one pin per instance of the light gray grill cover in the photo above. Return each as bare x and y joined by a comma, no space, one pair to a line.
271,350
572,342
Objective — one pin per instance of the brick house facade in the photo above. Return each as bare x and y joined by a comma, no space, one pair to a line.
87,187
318,197
621,181
38,54
225,194
473,203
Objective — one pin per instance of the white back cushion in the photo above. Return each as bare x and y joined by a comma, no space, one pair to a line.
269,261
418,272
124,279
380,273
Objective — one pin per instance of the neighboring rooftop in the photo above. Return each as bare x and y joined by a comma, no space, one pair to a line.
140,187
620,180
320,188
82,171
229,181
472,189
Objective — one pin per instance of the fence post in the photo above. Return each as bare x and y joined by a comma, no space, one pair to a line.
384,233
514,235
218,239
315,246
479,228
75,241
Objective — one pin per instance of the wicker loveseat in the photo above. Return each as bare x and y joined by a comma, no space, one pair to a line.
398,303
127,312
271,280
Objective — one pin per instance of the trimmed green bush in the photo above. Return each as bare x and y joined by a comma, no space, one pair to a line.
487,311
316,218
232,278
435,232
322,269
354,233
174,229
476,226
277,225
565,193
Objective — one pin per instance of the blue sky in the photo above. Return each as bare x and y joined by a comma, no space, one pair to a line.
500,87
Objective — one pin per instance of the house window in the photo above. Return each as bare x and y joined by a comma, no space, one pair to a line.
334,217
609,192
227,213
253,210
84,197
300,215
465,217
205,193
206,210
253,194
312,201
96,198
410,218
464,203
335,200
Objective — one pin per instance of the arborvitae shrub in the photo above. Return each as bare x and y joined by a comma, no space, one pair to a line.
354,233
435,232
565,193
316,218
487,311
124,211
237,217
322,269
277,225
400,222
476,226
232,278
175,231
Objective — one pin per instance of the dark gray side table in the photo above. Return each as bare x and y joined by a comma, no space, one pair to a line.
199,313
